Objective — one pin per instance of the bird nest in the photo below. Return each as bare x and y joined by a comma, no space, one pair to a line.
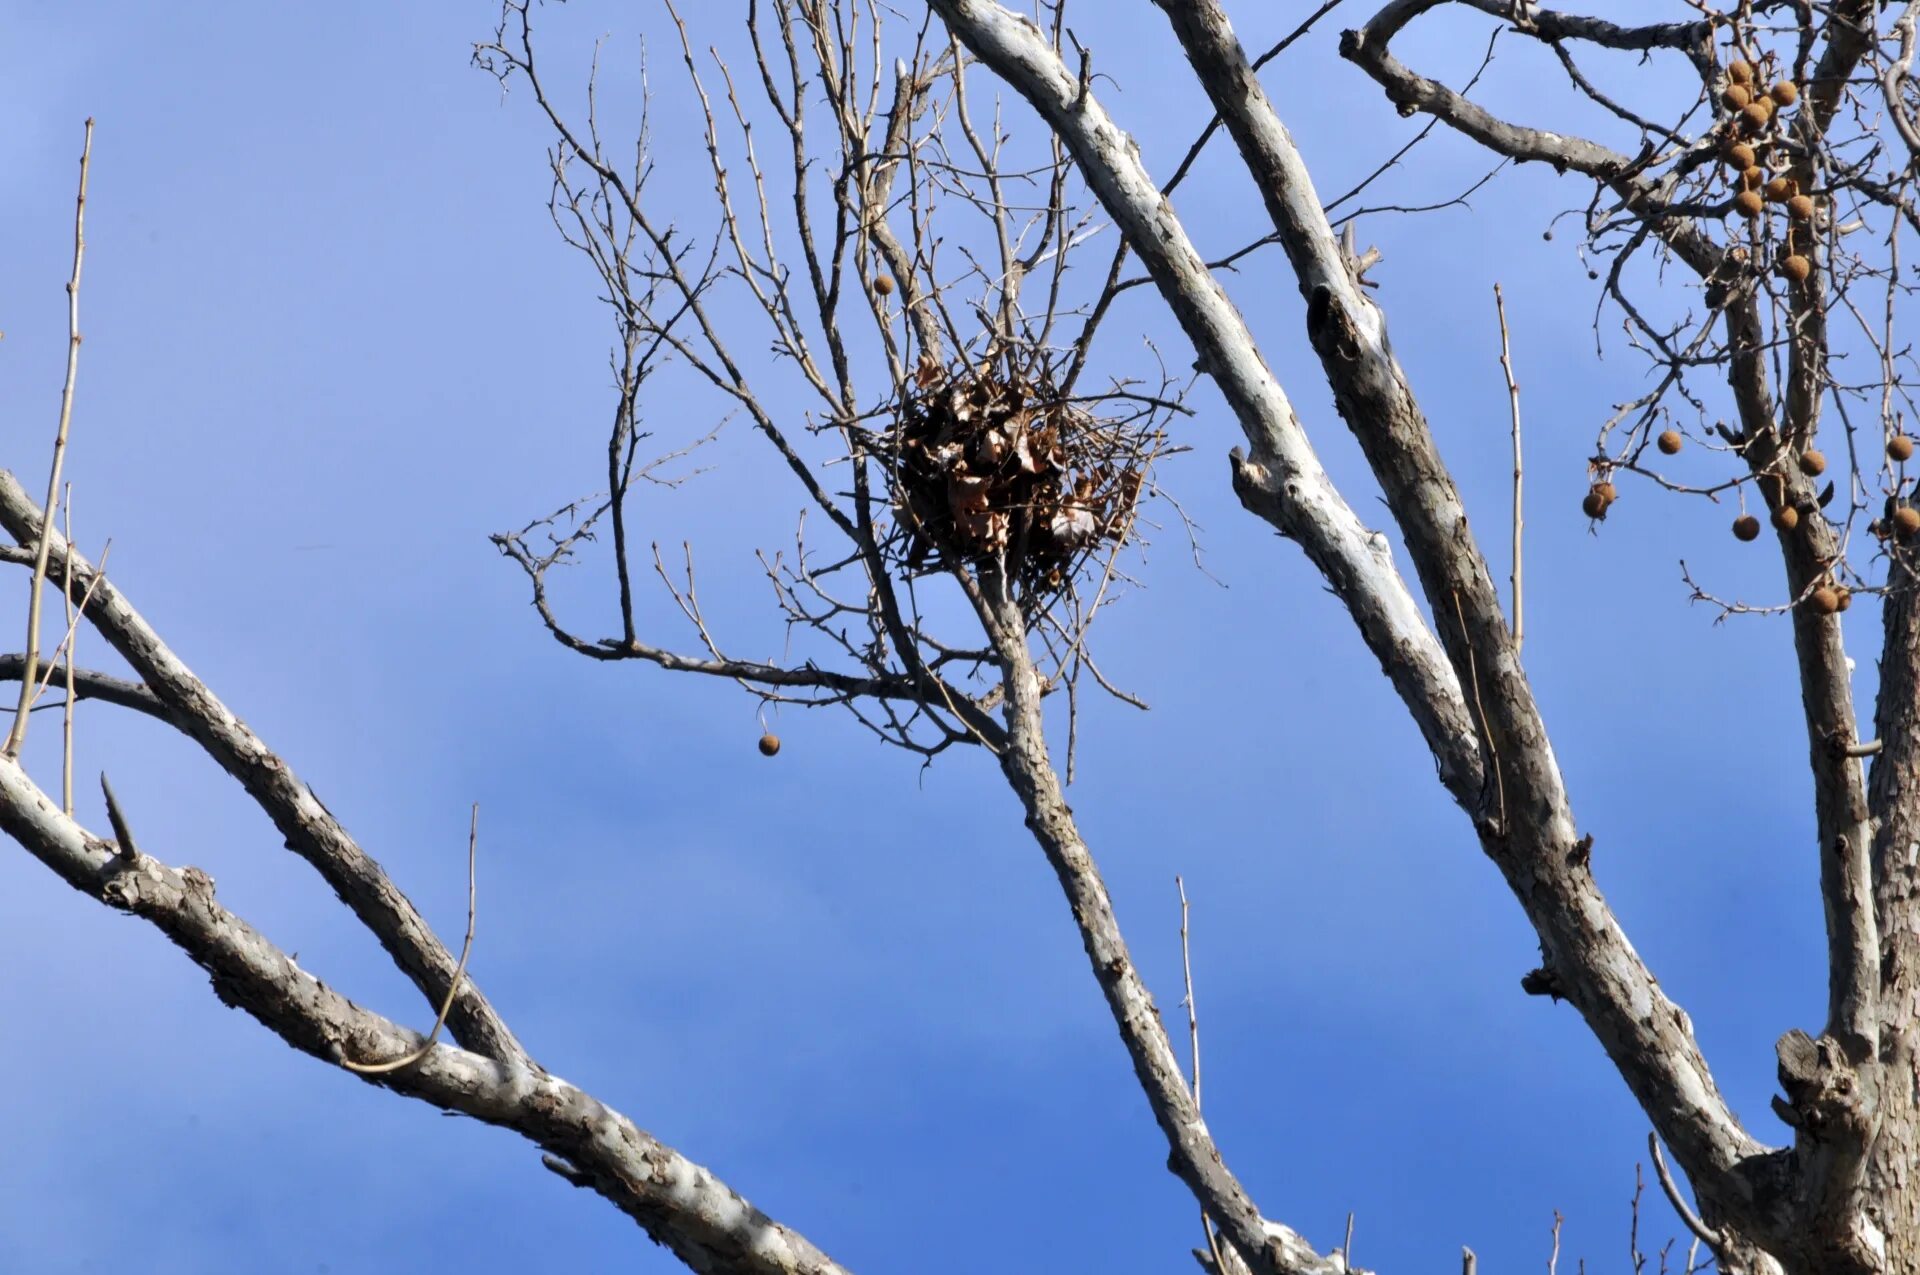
991,464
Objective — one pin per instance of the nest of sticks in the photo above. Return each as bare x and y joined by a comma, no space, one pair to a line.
989,463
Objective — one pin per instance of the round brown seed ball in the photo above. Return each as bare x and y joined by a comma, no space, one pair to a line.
1740,72
1594,506
1800,207
1825,600
884,285
1746,527
1753,178
1669,442
1846,597
1812,463
769,745
1786,518
1779,188
1740,155
1906,520
1757,113
1736,96
1796,268
1900,447
1785,93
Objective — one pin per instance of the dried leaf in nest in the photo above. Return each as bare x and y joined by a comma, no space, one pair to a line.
986,462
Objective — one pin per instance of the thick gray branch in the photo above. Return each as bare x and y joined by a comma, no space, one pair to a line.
1525,821
310,829
1829,1161
1268,1247
679,1203
89,684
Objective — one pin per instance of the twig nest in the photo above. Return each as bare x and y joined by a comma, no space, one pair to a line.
1796,268
883,285
1900,447
1735,96
769,745
1906,520
1812,463
1739,155
1785,93
1824,600
1746,527
988,463
1786,518
1669,442
1740,72
1749,203
1800,208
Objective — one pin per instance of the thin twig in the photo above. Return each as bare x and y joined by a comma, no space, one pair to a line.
73,624
18,734
459,970
1513,400
73,640
1193,1039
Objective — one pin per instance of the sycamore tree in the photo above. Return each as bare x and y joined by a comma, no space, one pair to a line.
906,286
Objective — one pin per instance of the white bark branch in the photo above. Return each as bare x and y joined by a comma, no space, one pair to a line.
310,828
679,1203
1268,1247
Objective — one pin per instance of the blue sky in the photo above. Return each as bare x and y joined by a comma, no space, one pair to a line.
332,342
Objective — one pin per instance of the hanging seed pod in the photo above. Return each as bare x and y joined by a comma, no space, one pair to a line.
1786,518
1906,520
769,745
1754,178
1669,442
1740,72
1779,188
1796,268
1812,463
884,285
1738,154
1747,527
1758,113
1735,96
1824,600
1845,597
1900,447
1785,93
1800,208
1594,505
